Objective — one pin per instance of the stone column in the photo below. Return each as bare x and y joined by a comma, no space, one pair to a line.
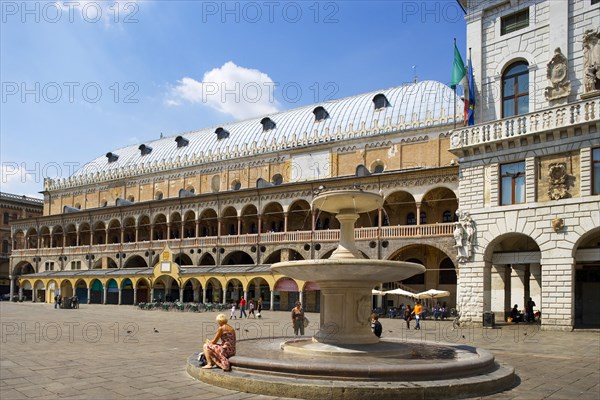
137,233
119,302
517,285
105,293
500,286
224,293
89,295
301,296
418,214
197,228
204,295
168,231
12,287
122,235
246,295
196,295
152,295
271,305
239,226
20,293
285,221
134,296
181,294
535,284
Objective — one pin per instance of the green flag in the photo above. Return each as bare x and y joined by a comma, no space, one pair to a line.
458,70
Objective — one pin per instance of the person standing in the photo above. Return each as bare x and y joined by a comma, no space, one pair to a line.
530,305
298,319
417,312
243,308
259,305
56,301
407,315
376,325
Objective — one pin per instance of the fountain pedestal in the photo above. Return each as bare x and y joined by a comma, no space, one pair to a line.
347,278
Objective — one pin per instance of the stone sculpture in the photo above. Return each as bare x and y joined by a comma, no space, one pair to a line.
591,61
557,74
464,233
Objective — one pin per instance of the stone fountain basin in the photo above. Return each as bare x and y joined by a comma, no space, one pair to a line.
352,200
348,270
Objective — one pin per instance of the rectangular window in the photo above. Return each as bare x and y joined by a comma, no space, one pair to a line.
75,265
595,2
49,266
512,178
5,218
596,171
514,22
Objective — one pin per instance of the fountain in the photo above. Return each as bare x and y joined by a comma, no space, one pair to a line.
344,360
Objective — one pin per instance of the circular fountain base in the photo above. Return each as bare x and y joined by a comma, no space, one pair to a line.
390,369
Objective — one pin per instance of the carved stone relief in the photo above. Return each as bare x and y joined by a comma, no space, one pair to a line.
464,234
557,74
591,61
557,176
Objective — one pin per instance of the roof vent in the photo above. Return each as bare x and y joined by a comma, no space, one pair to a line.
112,157
145,149
320,114
221,133
380,101
67,209
181,141
122,202
267,124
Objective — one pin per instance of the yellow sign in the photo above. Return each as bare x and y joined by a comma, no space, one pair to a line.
166,254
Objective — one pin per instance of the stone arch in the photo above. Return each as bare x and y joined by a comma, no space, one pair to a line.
249,217
237,257
114,231
126,287
160,227
208,223
189,224
99,233
142,286
66,288
437,201
183,259
166,288
192,290
71,235
135,261
44,236
96,292
214,291
57,236
299,216
175,225
112,291
84,232
235,291
39,291
286,294
259,287
144,227
272,217
207,259
398,207
81,290
229,221
129,230
285,254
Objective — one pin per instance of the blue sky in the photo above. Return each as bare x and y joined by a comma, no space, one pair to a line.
83,78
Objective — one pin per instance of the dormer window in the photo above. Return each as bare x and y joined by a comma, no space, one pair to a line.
181,141
112,157
320,114
380,101
145,149
267,124
221,133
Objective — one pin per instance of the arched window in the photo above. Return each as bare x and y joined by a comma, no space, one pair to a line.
277,179
515,90
447,216
158,196
410,219
423,217
236,185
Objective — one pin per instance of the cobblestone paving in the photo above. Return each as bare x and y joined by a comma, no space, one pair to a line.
116,352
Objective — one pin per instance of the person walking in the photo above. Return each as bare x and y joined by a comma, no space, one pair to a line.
259,305
251,308
417,312
243,308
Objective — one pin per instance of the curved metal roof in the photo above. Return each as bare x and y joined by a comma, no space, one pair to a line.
411,106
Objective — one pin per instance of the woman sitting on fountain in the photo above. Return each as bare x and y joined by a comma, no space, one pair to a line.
298,319
219,353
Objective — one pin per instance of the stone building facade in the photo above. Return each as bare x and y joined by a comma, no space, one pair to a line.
13,208
530,167
220,205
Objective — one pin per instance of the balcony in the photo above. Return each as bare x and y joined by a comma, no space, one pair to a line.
563,116
294,237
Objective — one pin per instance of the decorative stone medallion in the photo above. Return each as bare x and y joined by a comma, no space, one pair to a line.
557,74
558,224
557,174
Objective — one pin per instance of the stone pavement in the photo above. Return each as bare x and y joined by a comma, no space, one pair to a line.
114,352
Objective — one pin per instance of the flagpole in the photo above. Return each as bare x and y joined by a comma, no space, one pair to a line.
454,111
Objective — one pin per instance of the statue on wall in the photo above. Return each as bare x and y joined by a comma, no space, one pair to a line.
557,177
557,74
464,234
591,60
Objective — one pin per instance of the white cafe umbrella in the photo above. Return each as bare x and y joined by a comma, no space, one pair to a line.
377,292
401,292
432,294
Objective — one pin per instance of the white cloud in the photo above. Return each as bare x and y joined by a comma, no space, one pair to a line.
230,89
15,179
